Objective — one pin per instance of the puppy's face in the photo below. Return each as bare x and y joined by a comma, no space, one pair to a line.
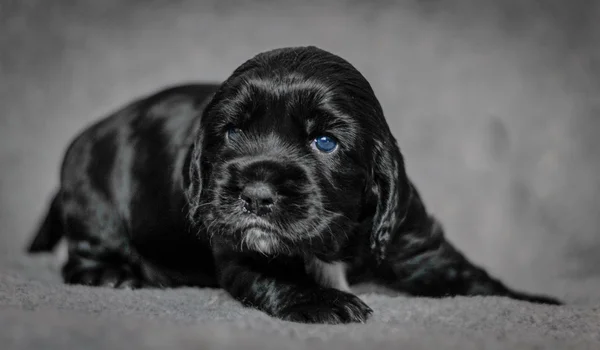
284,159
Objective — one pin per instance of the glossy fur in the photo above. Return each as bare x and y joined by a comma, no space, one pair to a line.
152,196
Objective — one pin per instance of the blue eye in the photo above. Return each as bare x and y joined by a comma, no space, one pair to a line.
325,144
233,132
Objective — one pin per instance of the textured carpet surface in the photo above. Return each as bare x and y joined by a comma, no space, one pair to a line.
37,312
495,105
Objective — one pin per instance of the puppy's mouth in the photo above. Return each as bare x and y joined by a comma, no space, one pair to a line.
257,233
273,233
248,232
263,206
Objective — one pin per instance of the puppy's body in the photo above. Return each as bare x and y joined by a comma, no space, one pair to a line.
235,186
122,195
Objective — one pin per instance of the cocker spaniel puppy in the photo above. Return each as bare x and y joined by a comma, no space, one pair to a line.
283,185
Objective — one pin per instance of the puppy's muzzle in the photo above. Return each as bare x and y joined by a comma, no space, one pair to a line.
275,196
258,198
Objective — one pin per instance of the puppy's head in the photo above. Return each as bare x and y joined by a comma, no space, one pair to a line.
293,155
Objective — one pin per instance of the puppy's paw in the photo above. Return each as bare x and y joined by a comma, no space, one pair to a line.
101,275
327,306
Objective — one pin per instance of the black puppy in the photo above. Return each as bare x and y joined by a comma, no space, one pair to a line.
283,185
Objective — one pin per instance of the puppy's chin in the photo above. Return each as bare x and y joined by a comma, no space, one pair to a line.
259,240
251,233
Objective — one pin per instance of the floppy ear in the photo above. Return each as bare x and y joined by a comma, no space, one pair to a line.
392,193
192,174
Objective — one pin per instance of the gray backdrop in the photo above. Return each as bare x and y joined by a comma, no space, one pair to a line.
495,105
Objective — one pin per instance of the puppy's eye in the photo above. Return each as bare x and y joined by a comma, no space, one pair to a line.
233,132
325,144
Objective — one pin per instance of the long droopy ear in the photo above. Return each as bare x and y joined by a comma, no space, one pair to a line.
194,171
392,193
192,174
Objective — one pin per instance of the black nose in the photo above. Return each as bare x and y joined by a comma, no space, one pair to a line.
258,198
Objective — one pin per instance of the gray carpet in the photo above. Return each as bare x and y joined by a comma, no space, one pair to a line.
40,313
495,105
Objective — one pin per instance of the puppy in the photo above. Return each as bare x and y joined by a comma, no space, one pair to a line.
283,185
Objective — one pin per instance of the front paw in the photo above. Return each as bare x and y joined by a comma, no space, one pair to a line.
327,306
91,273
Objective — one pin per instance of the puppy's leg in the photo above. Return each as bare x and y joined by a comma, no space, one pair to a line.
421,262
281,288
98,245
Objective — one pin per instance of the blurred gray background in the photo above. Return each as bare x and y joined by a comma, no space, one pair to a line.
495,105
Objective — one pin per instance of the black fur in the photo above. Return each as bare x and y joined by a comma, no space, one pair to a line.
152,195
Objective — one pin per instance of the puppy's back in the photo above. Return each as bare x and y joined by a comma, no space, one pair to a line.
172,109
137,149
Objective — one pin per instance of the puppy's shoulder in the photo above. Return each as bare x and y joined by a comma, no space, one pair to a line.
172,114
171,110
95,148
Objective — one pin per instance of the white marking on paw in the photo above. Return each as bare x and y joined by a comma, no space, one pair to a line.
62,252
331,275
